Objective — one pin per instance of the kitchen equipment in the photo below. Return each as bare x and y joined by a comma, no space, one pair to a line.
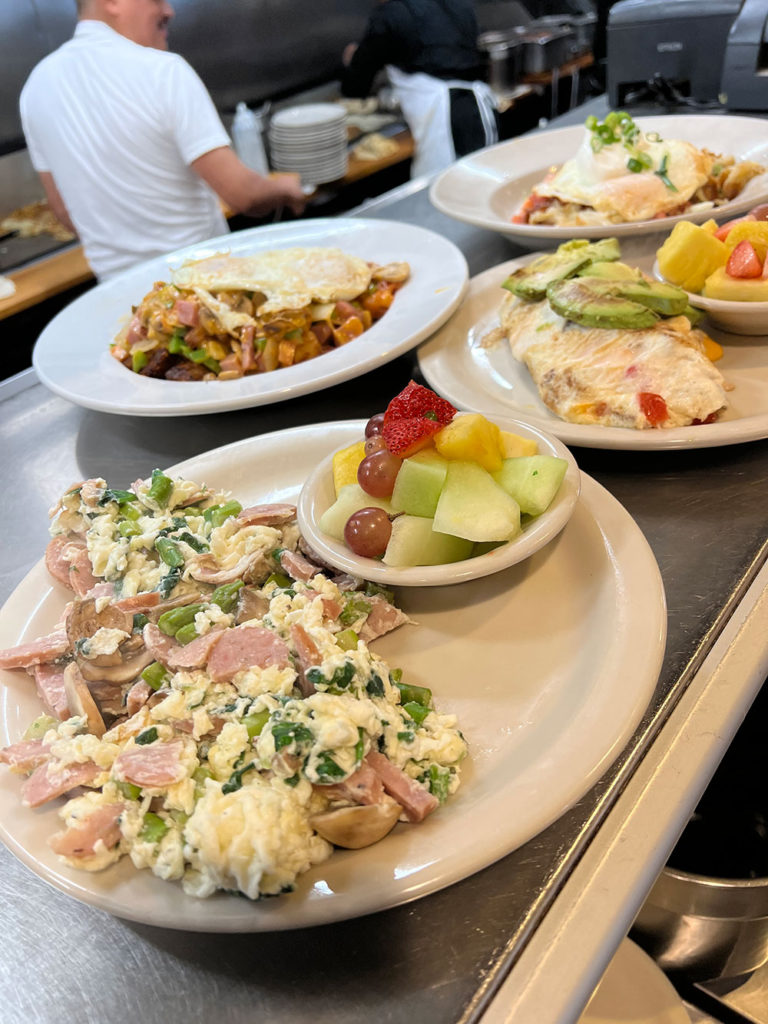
683,41
581,25
745,71
504,52
546,48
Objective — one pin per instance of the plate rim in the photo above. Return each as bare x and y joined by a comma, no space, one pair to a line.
619,534
432,356
290,382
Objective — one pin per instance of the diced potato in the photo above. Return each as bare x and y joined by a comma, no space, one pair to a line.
512,445
754,231
689,255
471,438
345,463
720,285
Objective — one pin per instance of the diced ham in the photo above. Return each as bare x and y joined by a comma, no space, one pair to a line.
103,589
246,647
135,331
382,618
25,756
307,655
362,787
49,682
187,312
37,652
177,656
137,697
139,602
267,515
54,779
91,491
156,765
298,566
81,578
331,607
206,569
80,840
56,562
416,801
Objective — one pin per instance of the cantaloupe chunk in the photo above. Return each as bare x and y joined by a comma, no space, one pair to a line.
512,445
720,285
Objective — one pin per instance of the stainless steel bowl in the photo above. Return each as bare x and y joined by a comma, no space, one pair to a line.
702,928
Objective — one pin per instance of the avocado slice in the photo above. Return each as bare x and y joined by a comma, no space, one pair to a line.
531,282
592,302
612,271
665,299
694,315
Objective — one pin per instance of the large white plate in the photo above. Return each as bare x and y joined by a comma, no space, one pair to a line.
488,379
487,188
528,659
634,990
72,355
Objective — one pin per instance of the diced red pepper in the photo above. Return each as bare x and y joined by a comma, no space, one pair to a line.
744,261
653,407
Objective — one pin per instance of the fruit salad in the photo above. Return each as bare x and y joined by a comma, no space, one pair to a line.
727,262
428,485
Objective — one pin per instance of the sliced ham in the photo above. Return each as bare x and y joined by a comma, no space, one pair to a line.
55,561
267,515
416,801
178,656
49,682
54,779
187,312
91,491
137,697
155,765
206,569
307,655
80,840
25,756
331,607
382,618
135,331
363,786
298,566
246,647
81,578
139,602
37,652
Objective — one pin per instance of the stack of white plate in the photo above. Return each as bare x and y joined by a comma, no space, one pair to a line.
310,140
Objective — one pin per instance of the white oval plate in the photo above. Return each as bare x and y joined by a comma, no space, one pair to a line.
318,494
528,659
488,187
72,355
488,379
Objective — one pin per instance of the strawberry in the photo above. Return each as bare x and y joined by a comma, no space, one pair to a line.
408,436
417,402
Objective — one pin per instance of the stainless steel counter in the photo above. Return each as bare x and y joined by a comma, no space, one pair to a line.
443,958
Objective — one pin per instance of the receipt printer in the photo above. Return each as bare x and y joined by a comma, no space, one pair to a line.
683,41
745,70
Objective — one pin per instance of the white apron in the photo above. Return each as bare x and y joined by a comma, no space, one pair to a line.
426,107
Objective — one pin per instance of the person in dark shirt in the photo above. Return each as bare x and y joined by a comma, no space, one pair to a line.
429,49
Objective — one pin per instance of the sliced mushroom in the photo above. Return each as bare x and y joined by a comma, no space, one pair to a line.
125,672
250,605
357,826
84,620
391,272
80,701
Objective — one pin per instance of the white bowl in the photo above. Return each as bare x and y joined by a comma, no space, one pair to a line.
734,317
318,494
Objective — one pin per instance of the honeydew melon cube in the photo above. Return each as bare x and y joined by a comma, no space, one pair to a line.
513,445
418,483
351,499
532,480
345,463
472,505
414,542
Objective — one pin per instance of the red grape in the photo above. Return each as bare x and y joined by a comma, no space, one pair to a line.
376,443
374,425
760,212
376,474
367,532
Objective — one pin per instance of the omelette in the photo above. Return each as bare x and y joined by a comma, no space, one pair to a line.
652,377
621,174
224,317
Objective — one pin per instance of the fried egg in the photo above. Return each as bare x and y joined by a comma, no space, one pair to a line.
602,180
288,278
654,377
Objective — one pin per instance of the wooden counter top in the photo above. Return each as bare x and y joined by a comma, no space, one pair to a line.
48,276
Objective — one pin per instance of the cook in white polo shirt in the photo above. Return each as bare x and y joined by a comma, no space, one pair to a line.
128,144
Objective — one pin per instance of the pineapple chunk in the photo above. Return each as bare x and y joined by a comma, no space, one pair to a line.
690,255
345,463
471,438
754,231
720,285
512,445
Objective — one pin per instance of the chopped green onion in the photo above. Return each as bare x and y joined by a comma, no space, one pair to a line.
187,633
128,790
416,711
418,694
255,722
225,596
169,552
347,640
128,529
161,488
216,515
154,828
147,736
156,675
172,621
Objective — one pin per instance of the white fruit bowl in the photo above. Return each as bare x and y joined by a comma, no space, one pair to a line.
318,494
734,317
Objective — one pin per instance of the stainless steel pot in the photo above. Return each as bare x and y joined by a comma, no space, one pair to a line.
545,48
503,51
702,928
581,25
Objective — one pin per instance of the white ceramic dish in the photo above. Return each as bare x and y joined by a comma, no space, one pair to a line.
528,659
72,355
308,115
634,990
733,317
318,494
488,187
486,378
